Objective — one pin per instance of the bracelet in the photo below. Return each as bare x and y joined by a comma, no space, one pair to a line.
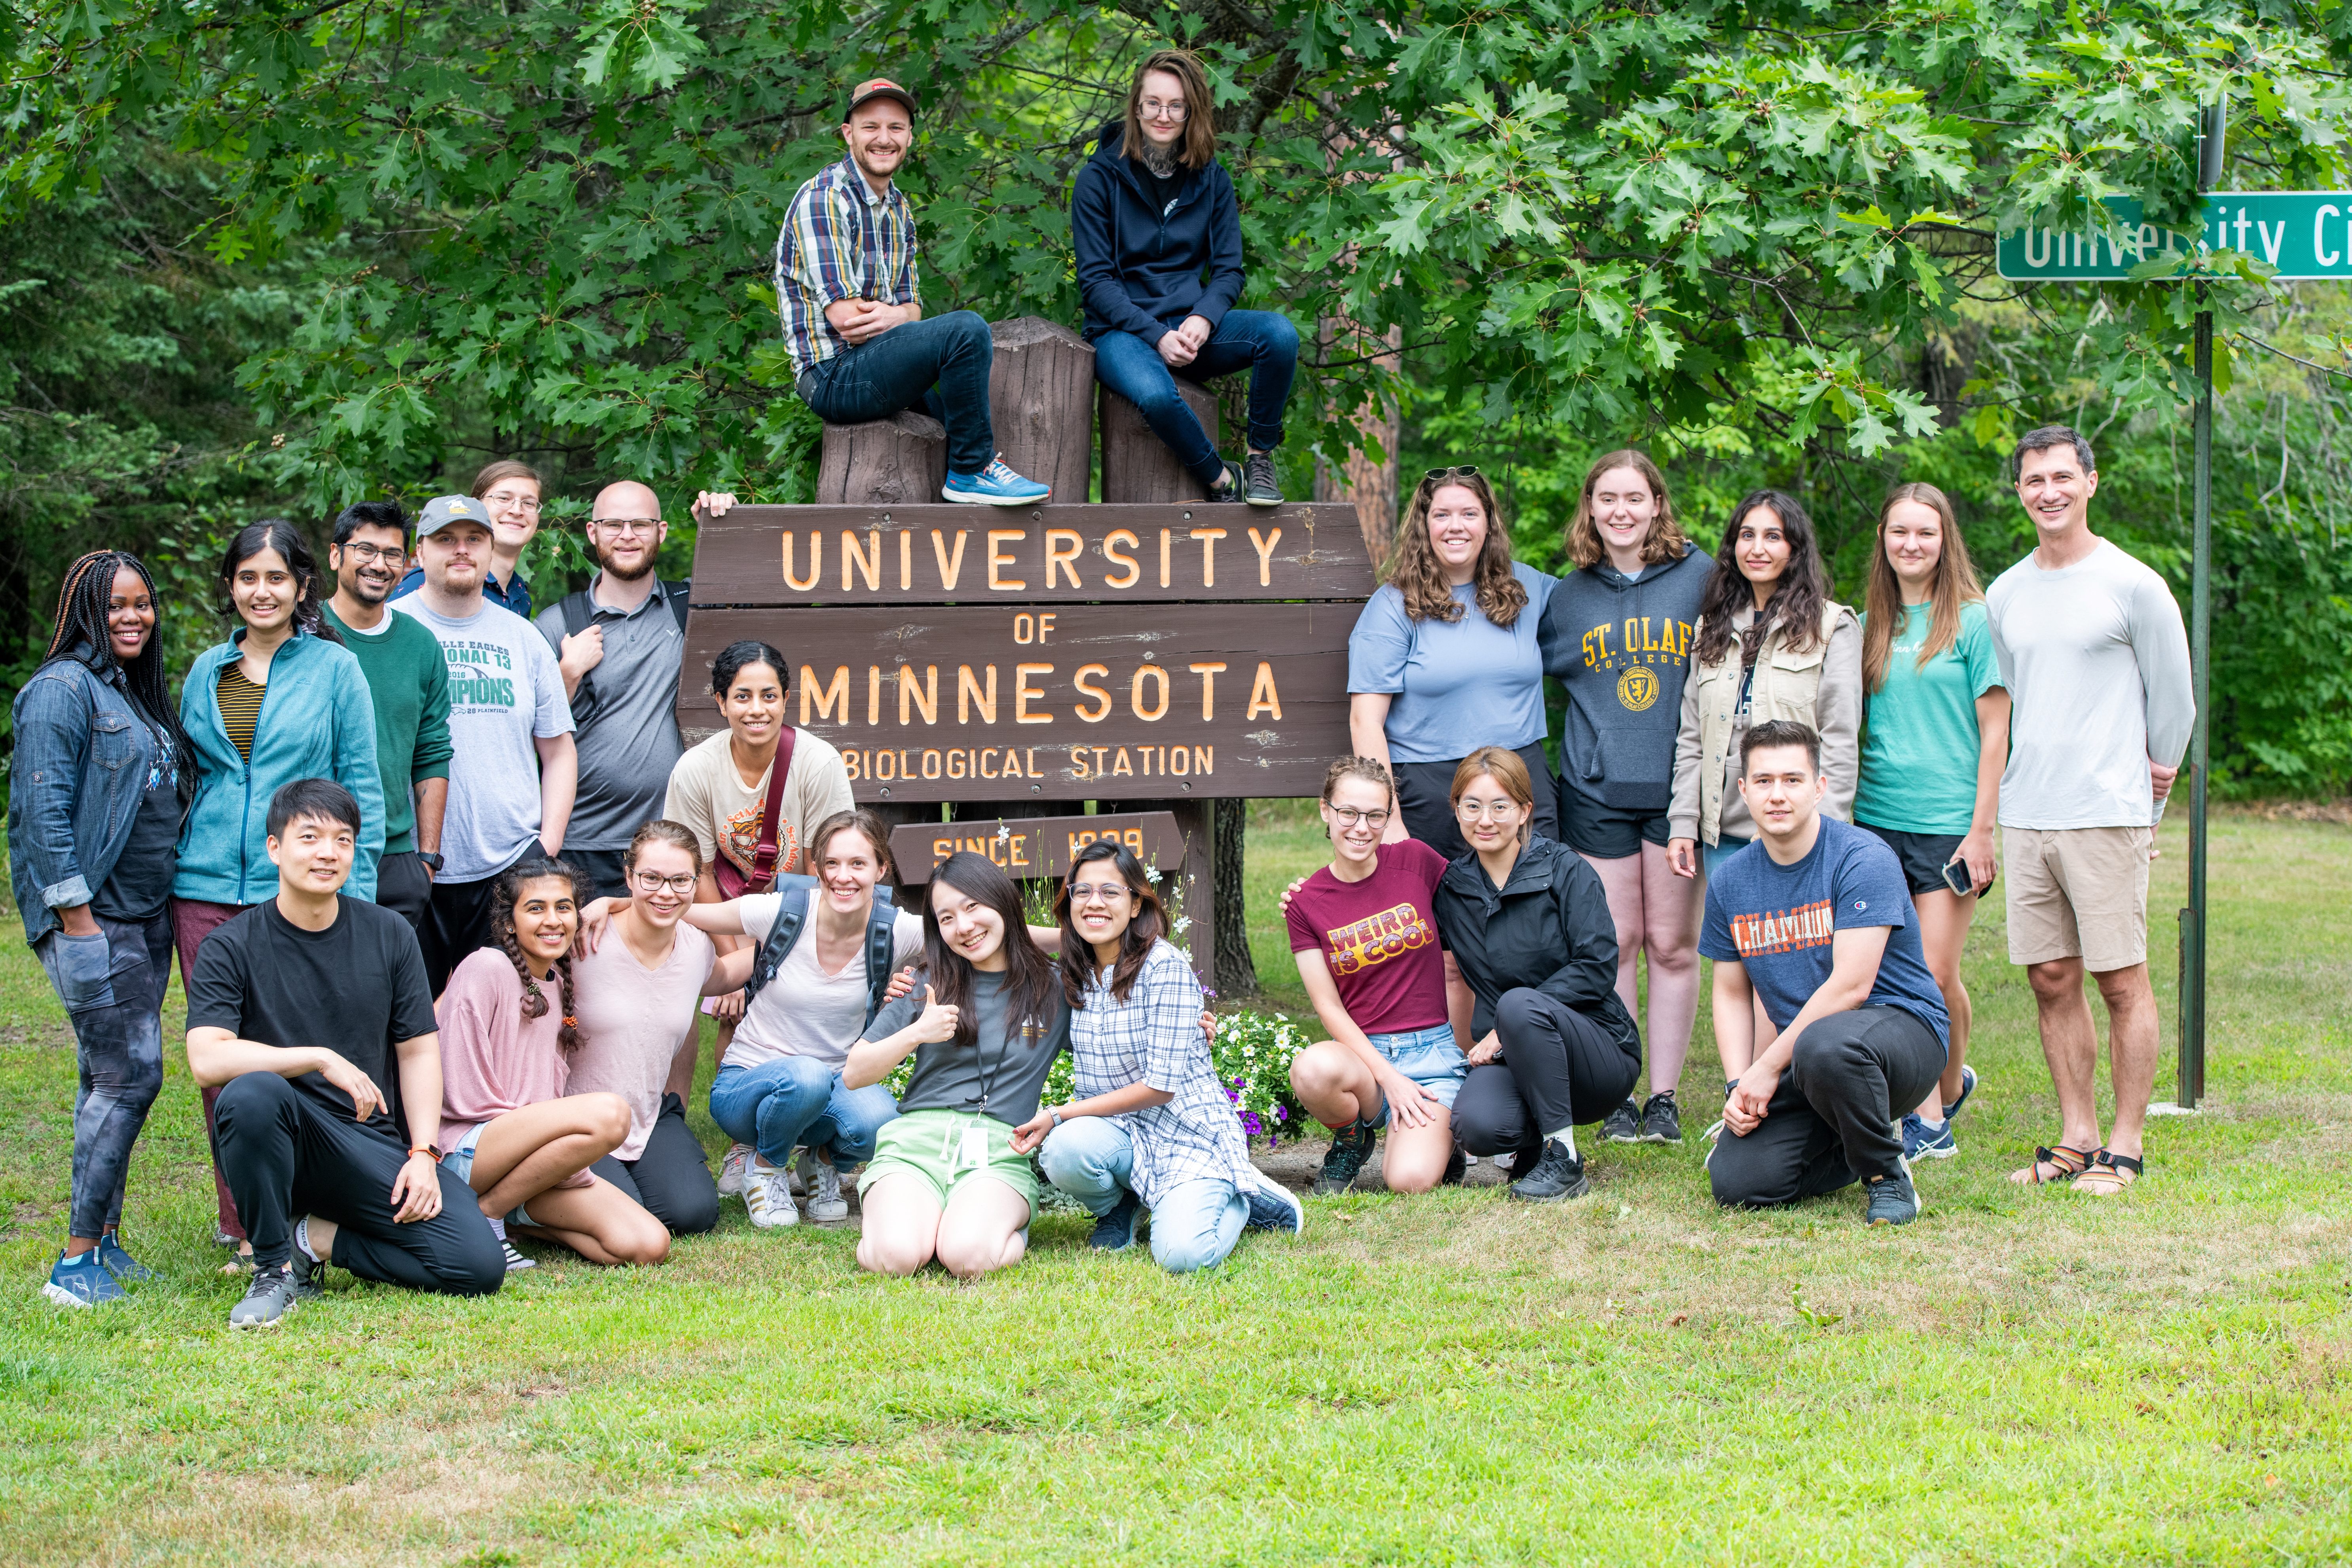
1055,1115
426,1149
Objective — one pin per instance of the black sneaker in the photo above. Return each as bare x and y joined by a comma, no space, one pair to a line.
1661,1121
1623,1125
1115,1232
1350,1147
1557,1176
1230,487
274,1293
1893,1199
1259,485
1458,1165
1276,1207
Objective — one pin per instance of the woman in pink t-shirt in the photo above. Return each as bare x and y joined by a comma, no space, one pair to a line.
1364,932
513,1135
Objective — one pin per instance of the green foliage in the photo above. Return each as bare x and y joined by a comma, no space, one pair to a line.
1253,1052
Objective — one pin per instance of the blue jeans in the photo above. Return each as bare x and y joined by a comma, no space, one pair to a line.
896,372
1195,1223
112,986
792,1102
1263,341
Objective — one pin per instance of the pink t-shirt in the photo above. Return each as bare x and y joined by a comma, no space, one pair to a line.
631,1021
1380,938
493,1059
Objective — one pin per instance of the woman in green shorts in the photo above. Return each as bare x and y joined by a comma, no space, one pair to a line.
984,1029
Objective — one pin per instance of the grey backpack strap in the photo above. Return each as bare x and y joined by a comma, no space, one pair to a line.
791,915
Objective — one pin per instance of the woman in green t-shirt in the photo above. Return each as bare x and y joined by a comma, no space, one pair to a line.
1935,740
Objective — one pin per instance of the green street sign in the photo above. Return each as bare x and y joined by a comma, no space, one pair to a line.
2303,233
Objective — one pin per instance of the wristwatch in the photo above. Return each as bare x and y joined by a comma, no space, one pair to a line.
432,859
427,1149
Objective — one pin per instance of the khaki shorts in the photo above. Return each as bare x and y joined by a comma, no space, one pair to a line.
2077,892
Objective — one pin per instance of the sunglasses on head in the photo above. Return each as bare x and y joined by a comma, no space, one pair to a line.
1439,476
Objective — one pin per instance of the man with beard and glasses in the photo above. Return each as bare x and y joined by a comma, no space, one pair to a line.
618,643
409,684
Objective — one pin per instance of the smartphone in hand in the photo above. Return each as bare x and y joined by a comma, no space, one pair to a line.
1957,878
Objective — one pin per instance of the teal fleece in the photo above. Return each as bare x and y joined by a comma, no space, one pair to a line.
317,722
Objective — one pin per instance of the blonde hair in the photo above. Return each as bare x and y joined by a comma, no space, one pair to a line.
1420,576
1953,586
1666,541
1506,768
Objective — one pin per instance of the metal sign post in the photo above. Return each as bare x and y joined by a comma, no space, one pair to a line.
2191,1074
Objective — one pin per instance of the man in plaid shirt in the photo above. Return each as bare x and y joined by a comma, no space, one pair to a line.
846,286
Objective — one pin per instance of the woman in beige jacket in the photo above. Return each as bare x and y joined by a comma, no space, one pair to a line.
1771,644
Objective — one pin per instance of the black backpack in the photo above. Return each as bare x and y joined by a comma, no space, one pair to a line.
578,610
799,893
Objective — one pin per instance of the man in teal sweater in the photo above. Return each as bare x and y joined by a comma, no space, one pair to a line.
409,682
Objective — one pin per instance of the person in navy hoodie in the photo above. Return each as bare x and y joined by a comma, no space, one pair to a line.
1152,210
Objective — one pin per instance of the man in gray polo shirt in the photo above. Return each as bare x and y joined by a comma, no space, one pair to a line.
618,643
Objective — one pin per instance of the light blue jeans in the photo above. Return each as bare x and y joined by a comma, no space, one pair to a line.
1196,1222
790,1102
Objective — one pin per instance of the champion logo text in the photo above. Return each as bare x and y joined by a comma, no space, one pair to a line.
1785,931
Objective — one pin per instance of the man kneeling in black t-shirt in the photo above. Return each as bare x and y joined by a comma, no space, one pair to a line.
301,1129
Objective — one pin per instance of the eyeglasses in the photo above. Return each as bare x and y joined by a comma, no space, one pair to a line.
1439,476
511,498
621,527
1350,815
1491,810
1153,109
390,554
648,882
1108,892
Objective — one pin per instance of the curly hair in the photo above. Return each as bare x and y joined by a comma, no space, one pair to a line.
502,925
1419,576
1798,599
1666,541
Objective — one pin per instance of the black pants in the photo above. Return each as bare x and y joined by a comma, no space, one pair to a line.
1834,1116
671,1180
1557,1068
285,1153
1424,796
602,868
404,887
458,922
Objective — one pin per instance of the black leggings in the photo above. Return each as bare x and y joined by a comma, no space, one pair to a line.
671,1178
1833,1115
1557,1068
286,1151
1424,799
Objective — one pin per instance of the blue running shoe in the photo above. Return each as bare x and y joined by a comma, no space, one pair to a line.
1276,1207
1115,1232
1893,1199
1921,1141
121,1263
1968,1088
82,1281
995,485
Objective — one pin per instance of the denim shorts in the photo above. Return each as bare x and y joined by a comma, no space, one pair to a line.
460,1160
1428,1056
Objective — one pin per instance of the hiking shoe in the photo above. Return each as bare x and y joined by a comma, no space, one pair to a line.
995,485
221,1237
1623,1125
1921,1141
766,1193
1259,487
121,1263
271,1295
1229,488
1276,1207
83,1281
1115,1232
1662,1122
1558,1175
826,1204
731,1169
1893,1199
1350,1147
1458,1165
1968,1088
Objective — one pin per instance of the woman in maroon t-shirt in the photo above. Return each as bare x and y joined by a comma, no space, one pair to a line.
1364,932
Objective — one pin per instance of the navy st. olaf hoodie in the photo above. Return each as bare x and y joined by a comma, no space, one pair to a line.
1621,646
1140,267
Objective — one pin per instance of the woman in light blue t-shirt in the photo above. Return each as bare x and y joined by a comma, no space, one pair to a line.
1935,739
1444,660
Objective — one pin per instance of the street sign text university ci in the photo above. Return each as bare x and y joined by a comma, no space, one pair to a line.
2303,233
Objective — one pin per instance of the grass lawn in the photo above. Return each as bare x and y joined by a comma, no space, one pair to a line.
2021,1377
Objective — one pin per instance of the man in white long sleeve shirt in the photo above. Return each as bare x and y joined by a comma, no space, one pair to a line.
2092,649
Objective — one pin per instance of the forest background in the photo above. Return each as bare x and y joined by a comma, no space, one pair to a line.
269,258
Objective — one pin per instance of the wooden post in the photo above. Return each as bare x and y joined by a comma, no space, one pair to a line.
1197,904
899,461
1137,466
1041,403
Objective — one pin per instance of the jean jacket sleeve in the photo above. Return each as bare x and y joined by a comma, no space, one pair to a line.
52,724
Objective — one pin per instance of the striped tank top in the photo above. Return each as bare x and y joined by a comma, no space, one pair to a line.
240,707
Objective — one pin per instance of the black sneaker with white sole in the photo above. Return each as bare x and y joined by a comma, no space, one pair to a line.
1350,1146
1623,1125
1662,1121
1558,1175
1276,1207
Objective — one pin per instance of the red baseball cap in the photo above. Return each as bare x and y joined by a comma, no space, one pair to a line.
865,92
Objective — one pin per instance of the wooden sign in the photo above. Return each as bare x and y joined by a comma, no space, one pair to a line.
1037,845
947,554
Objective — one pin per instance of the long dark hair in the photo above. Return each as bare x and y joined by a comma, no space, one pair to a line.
276,533
81,633
1029,974
1078,964
1797,601
502,926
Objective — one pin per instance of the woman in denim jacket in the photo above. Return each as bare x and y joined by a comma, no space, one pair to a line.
101,779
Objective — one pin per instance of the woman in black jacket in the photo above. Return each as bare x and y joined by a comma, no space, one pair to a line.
1529,927
1151,211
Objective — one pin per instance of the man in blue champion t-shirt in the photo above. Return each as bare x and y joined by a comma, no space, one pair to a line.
1815,919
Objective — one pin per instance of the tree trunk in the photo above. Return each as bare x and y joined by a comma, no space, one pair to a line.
1236,974
1137,466
899,461
1041,403
1372,489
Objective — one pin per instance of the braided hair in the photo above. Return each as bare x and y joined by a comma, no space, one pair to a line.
502,925
80,634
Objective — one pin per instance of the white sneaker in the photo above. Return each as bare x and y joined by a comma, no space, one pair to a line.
825,1205
731,1169
766,1192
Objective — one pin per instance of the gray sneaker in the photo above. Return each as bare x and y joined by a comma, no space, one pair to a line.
1259,487
1662,1120
826,1204
1893,1199
274,1293
1623,1125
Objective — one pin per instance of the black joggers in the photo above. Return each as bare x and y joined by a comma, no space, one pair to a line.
1834,1115
285,1151
671,1178
1424,799
1557,1068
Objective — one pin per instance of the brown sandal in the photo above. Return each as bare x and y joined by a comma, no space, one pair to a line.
2064,1164
2109,1174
